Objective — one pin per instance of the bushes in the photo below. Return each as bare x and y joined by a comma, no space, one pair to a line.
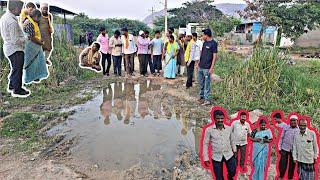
266,82
65,63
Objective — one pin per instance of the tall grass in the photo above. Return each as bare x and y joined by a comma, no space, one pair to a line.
265,81
65,63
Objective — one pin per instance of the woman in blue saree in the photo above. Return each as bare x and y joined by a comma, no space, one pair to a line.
261,137
35,68
170,67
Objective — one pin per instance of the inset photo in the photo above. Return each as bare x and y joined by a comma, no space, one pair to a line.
90,58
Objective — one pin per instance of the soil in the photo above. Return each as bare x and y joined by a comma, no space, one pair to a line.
160,119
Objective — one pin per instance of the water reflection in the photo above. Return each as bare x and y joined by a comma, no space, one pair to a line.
125,125
124,101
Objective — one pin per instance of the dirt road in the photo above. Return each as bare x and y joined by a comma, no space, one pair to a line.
140,128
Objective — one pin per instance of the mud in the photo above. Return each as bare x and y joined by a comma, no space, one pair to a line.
132,129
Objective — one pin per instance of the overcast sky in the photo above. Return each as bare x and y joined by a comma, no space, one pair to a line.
132,9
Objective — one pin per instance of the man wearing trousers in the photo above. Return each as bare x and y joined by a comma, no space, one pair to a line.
116,48
129,49
285,148
191,58
13,47
206,66
143,48
219,136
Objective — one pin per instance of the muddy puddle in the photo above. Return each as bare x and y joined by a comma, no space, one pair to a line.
123,126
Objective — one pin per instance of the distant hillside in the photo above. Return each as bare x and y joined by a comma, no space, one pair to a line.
231,9
148,19
227,8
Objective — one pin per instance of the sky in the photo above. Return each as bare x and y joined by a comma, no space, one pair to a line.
132,9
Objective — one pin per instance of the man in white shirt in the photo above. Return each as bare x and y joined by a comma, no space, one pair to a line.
128,49
13,47
241,130
116,50
157,47
199,45
223,148
305,151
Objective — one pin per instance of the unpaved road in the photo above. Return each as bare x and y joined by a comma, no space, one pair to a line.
131,129
140,128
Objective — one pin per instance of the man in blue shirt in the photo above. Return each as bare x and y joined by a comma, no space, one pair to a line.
206,66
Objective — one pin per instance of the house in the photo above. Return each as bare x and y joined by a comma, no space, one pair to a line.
192,27
248,32
60,28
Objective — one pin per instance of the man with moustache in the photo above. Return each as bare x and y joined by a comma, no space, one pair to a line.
241,130
223,148
305,151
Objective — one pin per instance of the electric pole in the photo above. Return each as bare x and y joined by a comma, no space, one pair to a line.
152,14
166,16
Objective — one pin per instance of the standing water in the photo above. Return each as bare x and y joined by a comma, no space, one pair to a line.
121,127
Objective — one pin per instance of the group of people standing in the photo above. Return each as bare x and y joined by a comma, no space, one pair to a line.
123,45
27,44
297,145
170,55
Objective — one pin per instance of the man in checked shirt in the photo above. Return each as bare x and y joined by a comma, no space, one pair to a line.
223,148
285,147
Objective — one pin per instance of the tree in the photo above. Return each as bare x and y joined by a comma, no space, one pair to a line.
293,20
201,11
82,23
290,16
198,11
223,25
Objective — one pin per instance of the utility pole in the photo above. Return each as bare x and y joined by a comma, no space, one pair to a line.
166,16
152,14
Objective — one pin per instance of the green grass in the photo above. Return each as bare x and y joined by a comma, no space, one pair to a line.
24,128
21,116
20,125
51,91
